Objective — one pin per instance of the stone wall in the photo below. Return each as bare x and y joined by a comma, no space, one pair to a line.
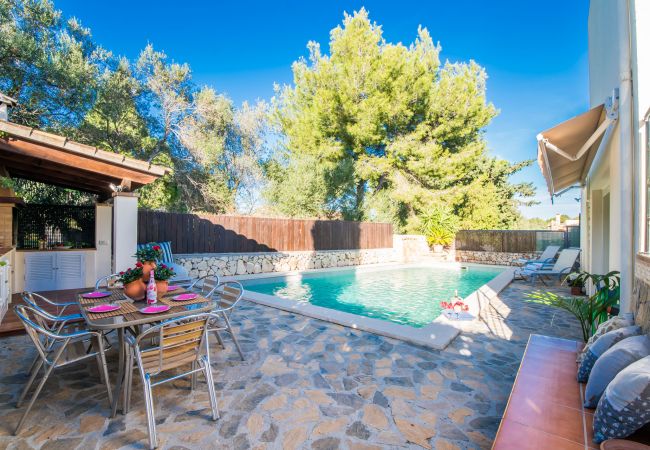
410,247
495,258
640,304
228,264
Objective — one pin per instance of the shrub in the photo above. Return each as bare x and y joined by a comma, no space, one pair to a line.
439,226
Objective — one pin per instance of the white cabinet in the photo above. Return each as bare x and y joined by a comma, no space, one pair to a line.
49,271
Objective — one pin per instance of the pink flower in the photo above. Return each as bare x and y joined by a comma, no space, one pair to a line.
138,264
156,247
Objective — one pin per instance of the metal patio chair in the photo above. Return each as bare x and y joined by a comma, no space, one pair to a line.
228,295
205,285
169,345
40,302
110,281
54,323
55,351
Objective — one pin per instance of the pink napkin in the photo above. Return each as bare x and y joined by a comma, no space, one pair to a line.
154,309
181,297
96,294
173,287
103,308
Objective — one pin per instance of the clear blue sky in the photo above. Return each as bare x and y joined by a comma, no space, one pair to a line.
535,55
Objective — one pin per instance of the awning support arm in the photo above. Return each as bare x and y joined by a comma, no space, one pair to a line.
611,107
586,146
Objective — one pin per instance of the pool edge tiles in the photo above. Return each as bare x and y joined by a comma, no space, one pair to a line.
436,334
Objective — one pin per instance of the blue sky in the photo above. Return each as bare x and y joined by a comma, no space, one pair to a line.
535,56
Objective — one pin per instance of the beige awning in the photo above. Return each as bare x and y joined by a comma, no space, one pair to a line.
566,151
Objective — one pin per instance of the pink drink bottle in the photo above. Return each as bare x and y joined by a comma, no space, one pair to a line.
152,291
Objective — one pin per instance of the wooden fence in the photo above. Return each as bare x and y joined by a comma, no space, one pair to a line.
208,233
509,241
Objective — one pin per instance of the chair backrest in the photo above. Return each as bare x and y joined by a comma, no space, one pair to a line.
177,342
110,281
166,247
566,259
35,323
206,285
37,301
229,293
549,252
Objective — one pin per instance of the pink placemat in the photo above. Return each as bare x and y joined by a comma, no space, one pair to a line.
96,294
103,308
185,297
125,308
155,309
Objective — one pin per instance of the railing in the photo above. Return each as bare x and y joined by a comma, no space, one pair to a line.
208,233
512,241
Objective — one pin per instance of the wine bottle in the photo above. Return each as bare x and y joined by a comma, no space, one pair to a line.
152,291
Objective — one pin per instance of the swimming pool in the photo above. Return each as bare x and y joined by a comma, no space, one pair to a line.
403,295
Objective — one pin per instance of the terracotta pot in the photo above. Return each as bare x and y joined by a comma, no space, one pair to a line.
162,286
135,289
147,267
576,290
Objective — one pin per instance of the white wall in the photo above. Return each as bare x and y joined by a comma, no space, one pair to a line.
641,83
103,240
619,57
125,230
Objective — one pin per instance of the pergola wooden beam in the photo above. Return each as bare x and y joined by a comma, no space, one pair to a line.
33,154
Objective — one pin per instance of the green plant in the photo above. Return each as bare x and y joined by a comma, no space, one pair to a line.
130,275
150,252
439,226
574,279
590,311
7,183
162,272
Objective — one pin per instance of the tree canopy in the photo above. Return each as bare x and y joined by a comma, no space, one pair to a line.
371,130
148,109
382,131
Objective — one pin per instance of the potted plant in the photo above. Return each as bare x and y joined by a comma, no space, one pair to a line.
148,255
162,274
439,227
590,311
576,281
131,279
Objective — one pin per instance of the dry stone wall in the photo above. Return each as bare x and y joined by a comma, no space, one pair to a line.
229,264
495,258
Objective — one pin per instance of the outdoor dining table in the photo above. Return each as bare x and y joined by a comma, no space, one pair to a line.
131,317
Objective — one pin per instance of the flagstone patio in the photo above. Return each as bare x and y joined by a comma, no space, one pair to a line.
305,384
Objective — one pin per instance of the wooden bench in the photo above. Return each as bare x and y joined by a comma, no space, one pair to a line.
545,409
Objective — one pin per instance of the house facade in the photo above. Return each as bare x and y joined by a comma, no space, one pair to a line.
604,151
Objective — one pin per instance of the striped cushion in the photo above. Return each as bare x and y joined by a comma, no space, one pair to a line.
166,247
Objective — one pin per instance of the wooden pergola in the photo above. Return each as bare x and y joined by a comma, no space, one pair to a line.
35,155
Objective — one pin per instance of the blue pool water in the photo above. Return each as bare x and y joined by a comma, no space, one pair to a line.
408,296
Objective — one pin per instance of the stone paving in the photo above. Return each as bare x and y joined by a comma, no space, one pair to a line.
305,384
